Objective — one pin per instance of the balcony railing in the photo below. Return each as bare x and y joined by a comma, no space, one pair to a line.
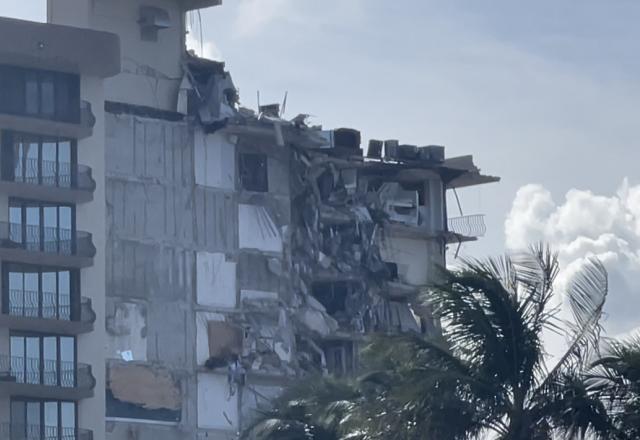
49,305
51,373
468,225
17,431
53,240
51,173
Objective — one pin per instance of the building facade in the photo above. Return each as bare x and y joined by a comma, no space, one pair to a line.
52,223
172,260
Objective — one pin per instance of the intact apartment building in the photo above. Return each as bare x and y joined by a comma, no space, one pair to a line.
170,259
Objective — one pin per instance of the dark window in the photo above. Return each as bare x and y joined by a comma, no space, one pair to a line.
42,226
39,160
43,360
340,358
43,419
39,93
41,292
254,172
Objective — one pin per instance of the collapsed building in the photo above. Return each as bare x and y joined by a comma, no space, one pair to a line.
228,250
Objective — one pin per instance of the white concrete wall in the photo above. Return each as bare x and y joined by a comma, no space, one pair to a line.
217,409
215,280
257,230
214,157
151,71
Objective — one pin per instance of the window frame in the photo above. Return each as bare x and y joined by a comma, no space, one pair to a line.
75,297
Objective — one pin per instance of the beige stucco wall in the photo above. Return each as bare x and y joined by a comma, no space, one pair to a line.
151,70
90,217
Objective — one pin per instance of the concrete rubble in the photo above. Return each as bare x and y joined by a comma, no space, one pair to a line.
268,246
338,287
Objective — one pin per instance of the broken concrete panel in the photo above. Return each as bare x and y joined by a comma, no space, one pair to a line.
257,230
147,386
400,205
217,406
214,157
127,331
255,272
215,280
257,297
411,256
202,334
317,322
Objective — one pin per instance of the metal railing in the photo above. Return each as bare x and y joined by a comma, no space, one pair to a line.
49,372
39,238
468,225
19,431
51,173
48,305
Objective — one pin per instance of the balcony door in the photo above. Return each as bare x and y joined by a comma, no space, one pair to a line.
39,160
41,292
43,360
41,226
43,419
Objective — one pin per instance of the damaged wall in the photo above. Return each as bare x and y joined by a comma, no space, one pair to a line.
127,331
215,280
258,230
137,391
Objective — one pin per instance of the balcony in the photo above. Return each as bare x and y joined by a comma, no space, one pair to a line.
49,181
45,379
81,129
465,228
28,310
17,431
48,246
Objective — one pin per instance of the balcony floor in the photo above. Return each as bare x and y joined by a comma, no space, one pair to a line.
53,326
46,193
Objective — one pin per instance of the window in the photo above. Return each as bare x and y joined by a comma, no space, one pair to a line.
39,93
43,419
43,360
41,226
39,160
254,172
40,292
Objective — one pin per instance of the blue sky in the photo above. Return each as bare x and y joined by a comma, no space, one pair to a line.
541,92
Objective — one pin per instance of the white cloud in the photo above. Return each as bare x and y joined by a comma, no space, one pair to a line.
254,15
584,225
205,49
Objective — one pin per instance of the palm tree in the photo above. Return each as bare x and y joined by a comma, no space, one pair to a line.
317,408
488,374
616,376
